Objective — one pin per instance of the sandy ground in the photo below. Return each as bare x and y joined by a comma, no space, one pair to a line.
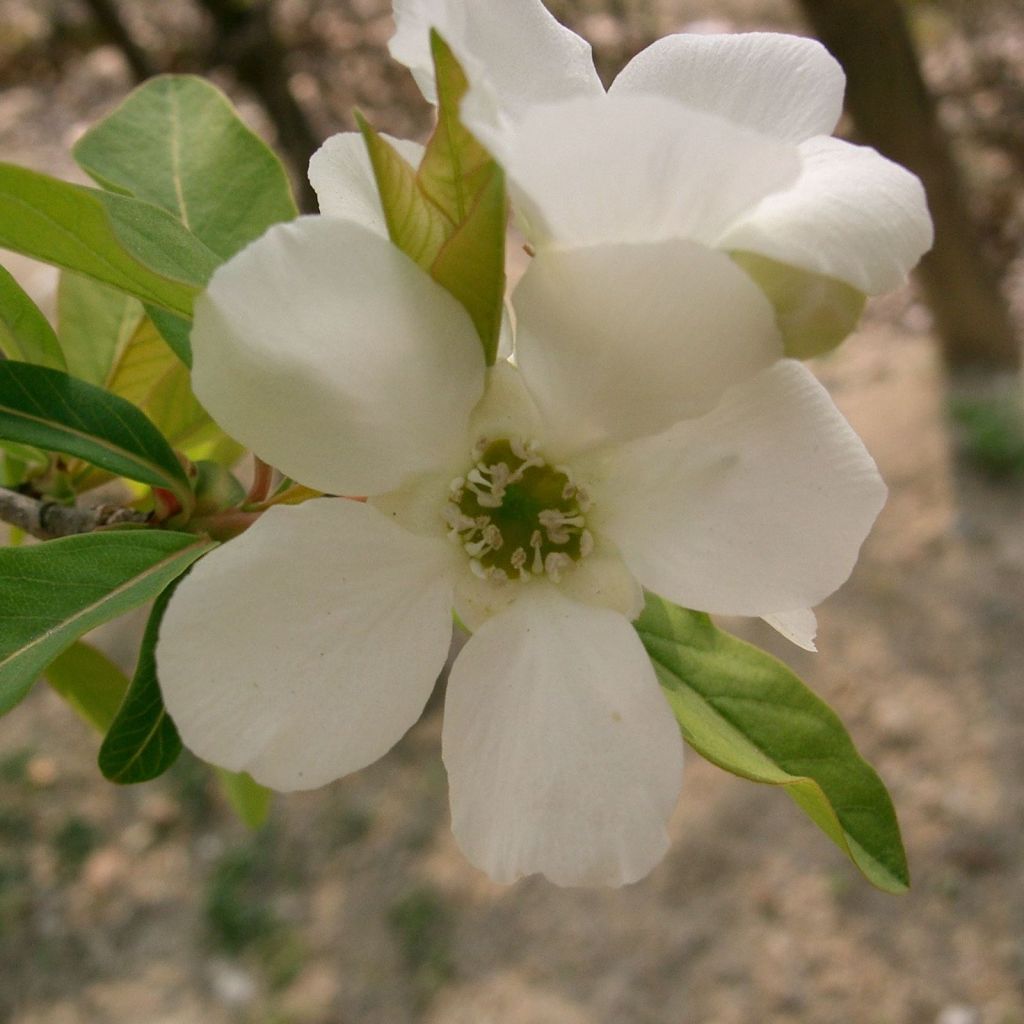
354,906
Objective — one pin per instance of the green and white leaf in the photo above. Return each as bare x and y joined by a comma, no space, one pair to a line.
177,142
50,410
51,594
25,333
749,714
142,742
89,682
131,245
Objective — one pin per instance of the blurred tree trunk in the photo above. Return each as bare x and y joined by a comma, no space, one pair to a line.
109,19
247,43
893,111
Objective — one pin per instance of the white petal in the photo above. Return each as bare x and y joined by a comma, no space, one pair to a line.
783,86
334,357
304,649
620,341
562,754
760,505
634,168
341,174
852,214
521,50
799,627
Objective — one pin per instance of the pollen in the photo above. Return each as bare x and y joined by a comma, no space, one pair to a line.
516,516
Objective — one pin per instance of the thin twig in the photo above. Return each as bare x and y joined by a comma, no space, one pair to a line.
48,520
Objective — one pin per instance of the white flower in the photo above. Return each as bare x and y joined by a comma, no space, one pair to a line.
650,436
722,139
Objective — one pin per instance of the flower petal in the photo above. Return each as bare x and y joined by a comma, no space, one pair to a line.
760,505
334,357
621,341
342,177
520,48
304,649
852,215
783,86
562,754
799,627
633,168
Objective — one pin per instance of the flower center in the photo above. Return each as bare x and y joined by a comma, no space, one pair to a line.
516,516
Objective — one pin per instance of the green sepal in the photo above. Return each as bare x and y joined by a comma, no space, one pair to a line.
248,799
131,245
50,410
814,313
51,594
178,143
25,333
143,741
748,713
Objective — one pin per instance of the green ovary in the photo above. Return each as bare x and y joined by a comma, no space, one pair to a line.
516,516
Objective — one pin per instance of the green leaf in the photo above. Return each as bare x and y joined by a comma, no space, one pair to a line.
94,322
24,332
126,243
177,142
455,167
449,216
471,264
175,331
142,742
53,593
90,683
749,714
50,410
813,312
249,800
414,223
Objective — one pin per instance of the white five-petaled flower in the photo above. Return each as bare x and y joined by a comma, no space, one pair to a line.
650,435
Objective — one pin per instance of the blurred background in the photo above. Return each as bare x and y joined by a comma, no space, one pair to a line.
353,905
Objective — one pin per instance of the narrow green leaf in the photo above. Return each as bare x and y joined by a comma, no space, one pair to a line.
249,800
24,332
814,313
90,683
455,167
53,593
471,264
55,412
126,243
414,223
142,742
749,714
178,143
94,322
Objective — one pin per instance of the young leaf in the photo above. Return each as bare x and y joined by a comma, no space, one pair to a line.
749,714
50,410
90,683
414,223
94,323
249,800
24,332
450,215
53,593
177,142
142,742
132,245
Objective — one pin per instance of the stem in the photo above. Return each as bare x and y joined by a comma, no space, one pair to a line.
47,520
262,478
